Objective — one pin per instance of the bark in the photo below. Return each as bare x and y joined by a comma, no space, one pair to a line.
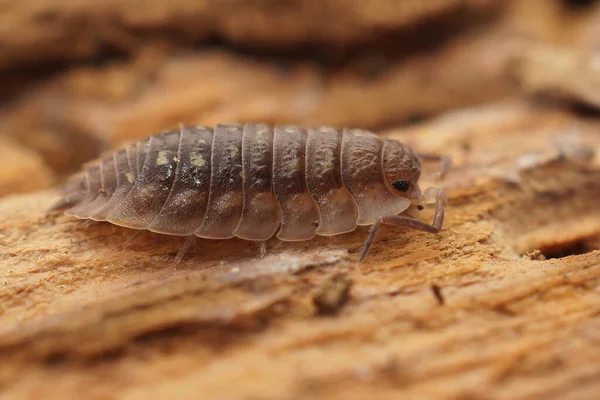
561,73
94,309
22,169
41,30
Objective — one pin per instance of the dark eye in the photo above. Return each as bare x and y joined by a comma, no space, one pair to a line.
401,185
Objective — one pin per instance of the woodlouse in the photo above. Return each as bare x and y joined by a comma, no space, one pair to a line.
253,181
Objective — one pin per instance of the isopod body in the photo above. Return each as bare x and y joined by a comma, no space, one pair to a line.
252,181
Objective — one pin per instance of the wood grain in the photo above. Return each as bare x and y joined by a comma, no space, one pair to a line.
54,31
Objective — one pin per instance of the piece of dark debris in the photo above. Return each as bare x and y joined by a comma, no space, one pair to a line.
333,294
437,292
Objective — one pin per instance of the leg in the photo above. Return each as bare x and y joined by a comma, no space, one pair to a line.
408,222
444,163
262,246
88,223
189,241
369,240
131,238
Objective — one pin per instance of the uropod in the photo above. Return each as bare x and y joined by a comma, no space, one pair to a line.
254,181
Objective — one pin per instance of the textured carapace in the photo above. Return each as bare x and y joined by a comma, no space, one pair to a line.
251,181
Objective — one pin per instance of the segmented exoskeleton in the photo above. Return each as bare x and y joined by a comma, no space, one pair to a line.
252,182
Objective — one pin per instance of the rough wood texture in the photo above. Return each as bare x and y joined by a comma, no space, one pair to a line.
22,169
557,72
56,30
503,304
97,309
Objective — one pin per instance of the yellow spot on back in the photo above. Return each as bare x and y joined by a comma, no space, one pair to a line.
129,177
162,158
234,151
325,164
202,141
197,160
260,133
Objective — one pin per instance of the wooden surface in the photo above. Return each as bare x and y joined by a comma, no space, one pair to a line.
42,30
503,304
23,169
96,309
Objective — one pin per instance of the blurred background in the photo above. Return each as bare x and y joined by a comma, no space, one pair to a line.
78,78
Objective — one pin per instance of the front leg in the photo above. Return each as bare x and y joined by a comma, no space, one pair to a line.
408,222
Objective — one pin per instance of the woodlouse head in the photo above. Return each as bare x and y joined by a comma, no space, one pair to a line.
402,169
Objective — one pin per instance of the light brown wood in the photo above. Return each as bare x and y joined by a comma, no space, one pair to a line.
42,30
94,309
562,73
22,169
91,310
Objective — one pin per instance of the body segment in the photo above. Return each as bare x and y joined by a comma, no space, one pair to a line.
338,209
261,212
225,198
184,210
300,215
